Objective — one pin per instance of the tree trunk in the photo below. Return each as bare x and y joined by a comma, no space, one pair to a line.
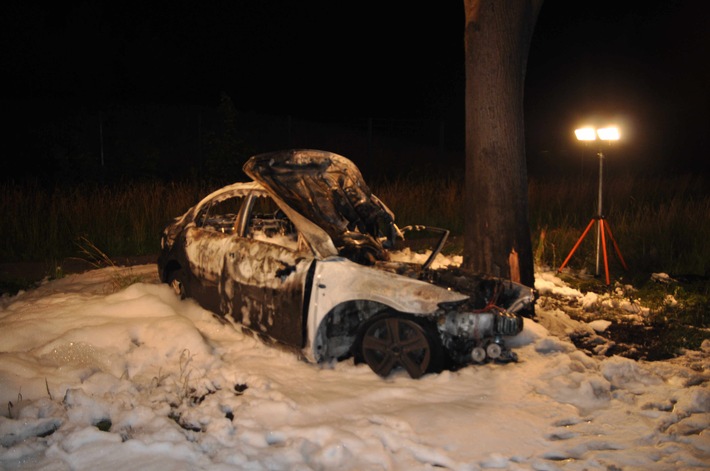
497,233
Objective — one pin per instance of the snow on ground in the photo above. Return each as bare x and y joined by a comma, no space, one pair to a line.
95,378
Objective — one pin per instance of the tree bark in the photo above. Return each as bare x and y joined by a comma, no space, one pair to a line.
497,233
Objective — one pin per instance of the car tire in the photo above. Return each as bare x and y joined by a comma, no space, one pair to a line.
390,341
176,280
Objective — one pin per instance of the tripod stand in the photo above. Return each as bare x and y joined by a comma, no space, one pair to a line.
603,229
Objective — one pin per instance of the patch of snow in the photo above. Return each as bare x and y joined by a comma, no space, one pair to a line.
599,325
662,277
670,300
589,300
549,284
91,379
441,261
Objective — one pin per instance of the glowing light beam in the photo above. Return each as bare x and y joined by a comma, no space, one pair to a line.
586,134
610,133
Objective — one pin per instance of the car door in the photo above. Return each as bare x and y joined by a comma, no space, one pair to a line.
207,245
266,279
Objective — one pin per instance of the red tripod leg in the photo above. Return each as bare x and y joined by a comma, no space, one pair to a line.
579,241
606,259
616,246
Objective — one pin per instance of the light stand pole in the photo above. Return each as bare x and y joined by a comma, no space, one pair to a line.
603,229
599,211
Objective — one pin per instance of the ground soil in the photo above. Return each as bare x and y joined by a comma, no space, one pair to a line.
635,341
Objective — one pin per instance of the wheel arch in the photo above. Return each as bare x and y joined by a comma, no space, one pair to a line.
339,328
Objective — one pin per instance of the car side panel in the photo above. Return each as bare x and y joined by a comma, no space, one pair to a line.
258,284
205,252
338,280
263,288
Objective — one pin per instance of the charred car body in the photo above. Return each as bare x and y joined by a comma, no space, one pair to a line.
302,256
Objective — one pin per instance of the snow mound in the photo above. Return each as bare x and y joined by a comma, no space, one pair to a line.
94,378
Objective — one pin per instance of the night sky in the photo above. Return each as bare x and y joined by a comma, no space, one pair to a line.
643,64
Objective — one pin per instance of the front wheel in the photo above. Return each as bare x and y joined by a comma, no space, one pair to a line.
392,341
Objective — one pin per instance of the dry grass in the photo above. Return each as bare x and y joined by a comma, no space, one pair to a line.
661,223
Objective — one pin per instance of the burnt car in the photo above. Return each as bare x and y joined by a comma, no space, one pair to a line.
305,256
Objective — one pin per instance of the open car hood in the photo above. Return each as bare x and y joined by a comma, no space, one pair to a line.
328,191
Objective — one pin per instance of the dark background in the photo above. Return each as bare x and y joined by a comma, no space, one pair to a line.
180,88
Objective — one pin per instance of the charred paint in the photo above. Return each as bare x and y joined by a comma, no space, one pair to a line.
279,274
264,287
328,190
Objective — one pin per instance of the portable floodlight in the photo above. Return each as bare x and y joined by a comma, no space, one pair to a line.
609,133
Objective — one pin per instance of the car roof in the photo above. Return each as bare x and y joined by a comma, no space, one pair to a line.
229,191
319,240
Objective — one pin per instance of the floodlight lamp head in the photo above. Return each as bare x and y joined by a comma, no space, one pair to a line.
586,134
610,133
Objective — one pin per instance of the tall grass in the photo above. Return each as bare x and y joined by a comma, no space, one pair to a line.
47,223
660,223
415,201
